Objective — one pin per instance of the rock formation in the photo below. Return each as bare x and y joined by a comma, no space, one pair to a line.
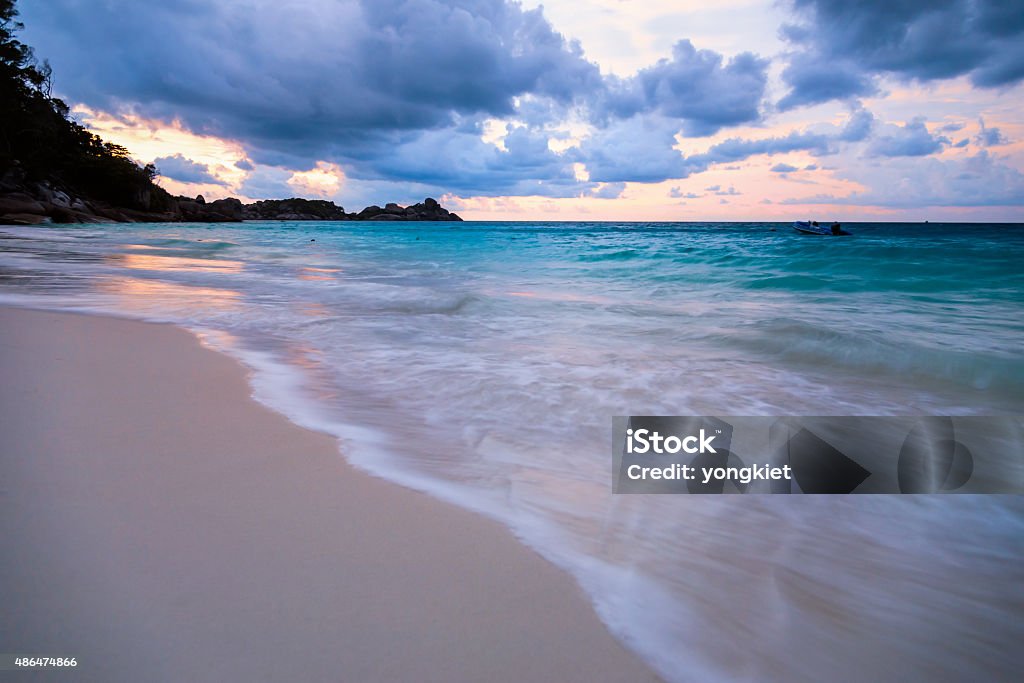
24,203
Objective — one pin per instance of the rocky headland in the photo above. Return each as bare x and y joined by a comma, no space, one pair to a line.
40,203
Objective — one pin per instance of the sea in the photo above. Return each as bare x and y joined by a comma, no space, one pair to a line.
482,363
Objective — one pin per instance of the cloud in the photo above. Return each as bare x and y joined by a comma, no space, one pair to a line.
267,182
608,191
460,162
341,80
323,181
371,85
737,149
978,180
783,168
177,167
910,140
920,40
695,87
989,137
484,99
642,149
859,125
639,149
813,80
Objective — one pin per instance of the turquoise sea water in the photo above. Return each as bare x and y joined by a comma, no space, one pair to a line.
482,362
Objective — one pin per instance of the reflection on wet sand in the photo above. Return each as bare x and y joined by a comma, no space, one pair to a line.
311,360
218,340
139,295
178,263
311,273
314,310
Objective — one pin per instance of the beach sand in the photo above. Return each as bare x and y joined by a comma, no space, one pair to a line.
160,525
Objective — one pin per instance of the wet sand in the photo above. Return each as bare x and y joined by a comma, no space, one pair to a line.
159,524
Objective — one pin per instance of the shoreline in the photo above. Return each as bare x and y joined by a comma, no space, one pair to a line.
170,527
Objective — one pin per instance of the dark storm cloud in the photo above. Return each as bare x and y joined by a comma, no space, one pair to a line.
472,55
921,40
178,167
814,80
305,80
398,91
387,88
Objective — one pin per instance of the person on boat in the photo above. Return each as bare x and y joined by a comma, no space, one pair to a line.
836,228
814,223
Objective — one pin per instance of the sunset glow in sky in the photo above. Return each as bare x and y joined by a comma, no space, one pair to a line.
580,109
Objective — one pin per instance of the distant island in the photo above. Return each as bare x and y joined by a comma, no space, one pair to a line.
35,203
54,170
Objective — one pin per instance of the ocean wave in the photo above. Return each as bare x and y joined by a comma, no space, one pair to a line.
800,343
617,255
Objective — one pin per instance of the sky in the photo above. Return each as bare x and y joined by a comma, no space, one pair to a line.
561,110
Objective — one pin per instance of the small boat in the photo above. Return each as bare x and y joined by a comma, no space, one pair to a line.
812,228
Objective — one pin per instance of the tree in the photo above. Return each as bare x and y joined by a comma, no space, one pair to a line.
40,139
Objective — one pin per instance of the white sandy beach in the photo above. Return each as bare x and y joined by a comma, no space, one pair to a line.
160,525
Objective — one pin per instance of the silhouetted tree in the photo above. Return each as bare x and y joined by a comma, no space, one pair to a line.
39,138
